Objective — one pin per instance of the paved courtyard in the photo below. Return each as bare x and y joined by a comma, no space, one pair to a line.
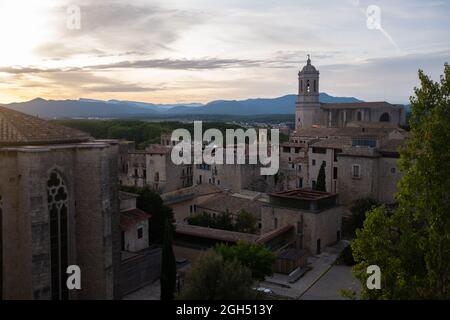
322,282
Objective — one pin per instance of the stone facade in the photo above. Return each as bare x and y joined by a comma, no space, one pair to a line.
310,112
153,167
315,227
59,192
89,171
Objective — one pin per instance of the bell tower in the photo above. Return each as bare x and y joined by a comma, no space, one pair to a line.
308,106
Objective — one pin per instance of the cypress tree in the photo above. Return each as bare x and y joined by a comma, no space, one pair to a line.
168,264
321,184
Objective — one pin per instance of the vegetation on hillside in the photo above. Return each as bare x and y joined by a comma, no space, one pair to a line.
142,132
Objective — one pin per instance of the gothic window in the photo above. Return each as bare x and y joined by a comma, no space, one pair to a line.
58,204
385,117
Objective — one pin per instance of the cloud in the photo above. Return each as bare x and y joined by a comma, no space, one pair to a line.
112,27
171,64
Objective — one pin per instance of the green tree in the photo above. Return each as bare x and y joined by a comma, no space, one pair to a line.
246,222
223,221
411,244
256,257
321,182
203,220
213,278
151,202
168,265
358,210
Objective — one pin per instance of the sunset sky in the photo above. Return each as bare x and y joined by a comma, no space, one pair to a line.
175,51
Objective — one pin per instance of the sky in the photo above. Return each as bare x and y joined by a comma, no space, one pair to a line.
179,51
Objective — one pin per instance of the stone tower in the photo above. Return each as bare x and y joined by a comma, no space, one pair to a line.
307,110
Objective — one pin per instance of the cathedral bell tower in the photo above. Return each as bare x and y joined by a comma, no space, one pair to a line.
307,111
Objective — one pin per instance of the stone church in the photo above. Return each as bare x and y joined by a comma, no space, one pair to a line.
58,207
310,112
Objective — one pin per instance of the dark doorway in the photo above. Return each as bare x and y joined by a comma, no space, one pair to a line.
318,247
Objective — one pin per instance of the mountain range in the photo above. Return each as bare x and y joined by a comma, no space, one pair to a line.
90,108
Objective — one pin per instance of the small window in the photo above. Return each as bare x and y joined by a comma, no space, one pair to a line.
335,173
275,223
218,182
140,232
190,209
314,184
195,208
356,171
313,162
385,117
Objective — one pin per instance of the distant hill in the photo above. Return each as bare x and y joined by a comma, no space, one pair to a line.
89,108
281,105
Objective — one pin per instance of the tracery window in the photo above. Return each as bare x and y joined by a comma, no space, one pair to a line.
58,207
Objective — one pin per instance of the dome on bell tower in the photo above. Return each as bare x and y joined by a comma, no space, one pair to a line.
309,68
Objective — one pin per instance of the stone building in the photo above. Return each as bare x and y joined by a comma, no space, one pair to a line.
368,170
134,224
153,167
184,201
302,157
311,112
59,207
315,216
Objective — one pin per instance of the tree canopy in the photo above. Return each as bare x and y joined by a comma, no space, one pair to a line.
256,257
214,278
411,243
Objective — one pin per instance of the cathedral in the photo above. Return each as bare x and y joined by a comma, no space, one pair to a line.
310,112
58,207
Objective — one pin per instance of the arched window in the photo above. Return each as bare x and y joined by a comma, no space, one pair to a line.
385,117
308,87
58,207
359,116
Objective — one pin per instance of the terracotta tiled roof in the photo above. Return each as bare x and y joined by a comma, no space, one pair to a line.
214,234
132,217
223,201
335,143
17,128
